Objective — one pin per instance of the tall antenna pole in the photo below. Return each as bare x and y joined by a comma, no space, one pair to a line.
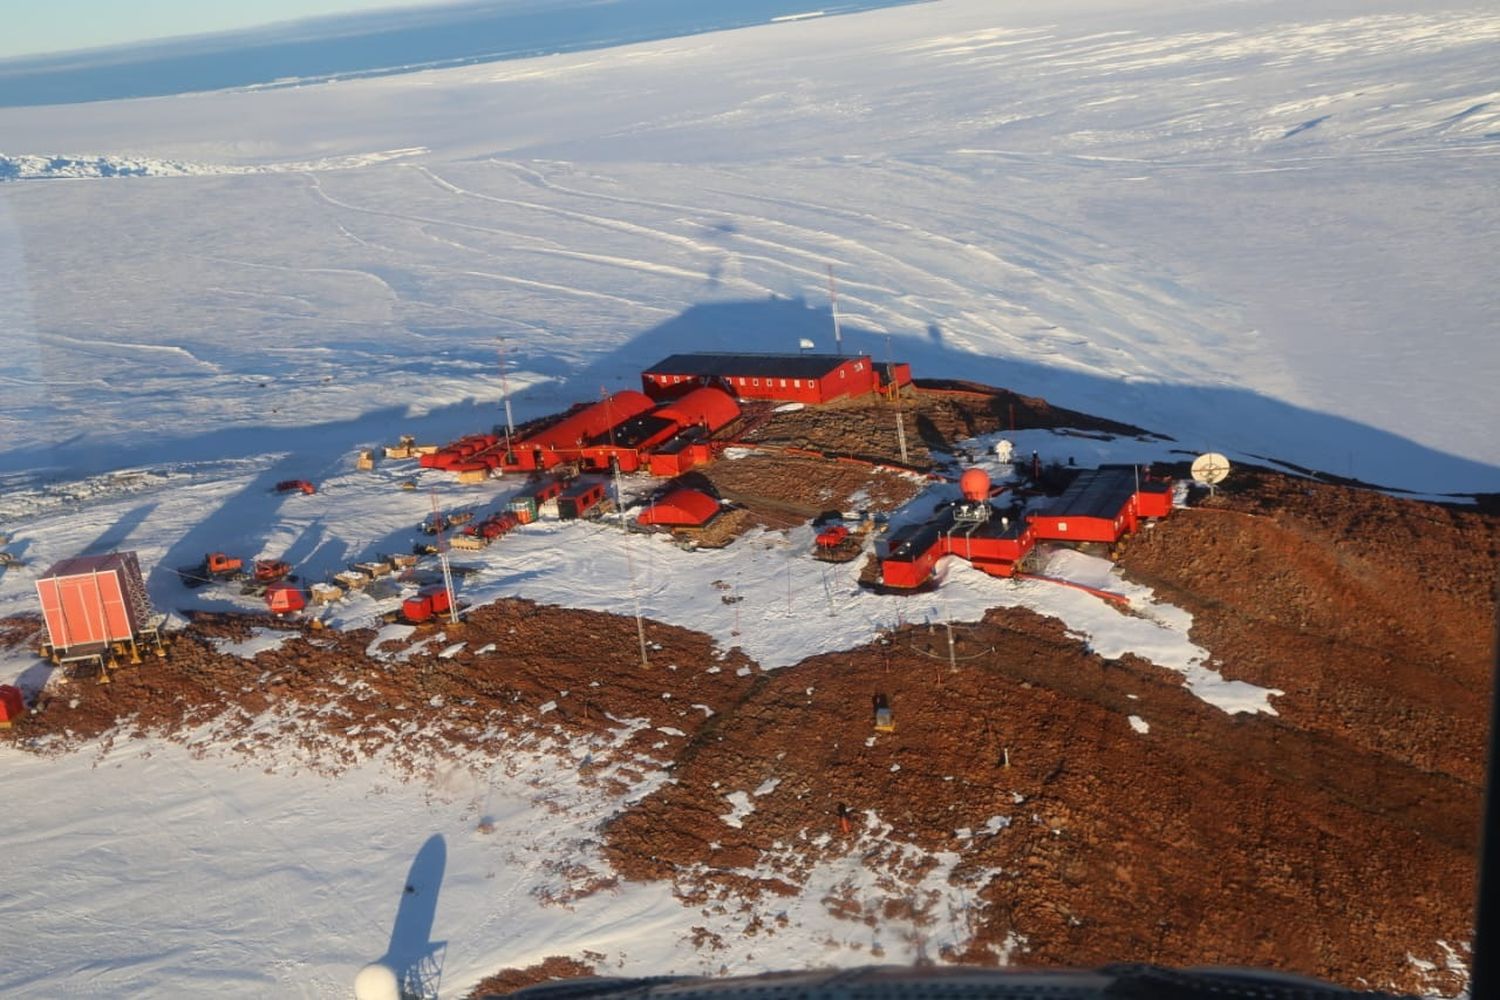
890,366
635,595
833,298
510,427
442,544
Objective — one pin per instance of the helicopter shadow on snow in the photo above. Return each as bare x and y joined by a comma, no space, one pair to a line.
411,954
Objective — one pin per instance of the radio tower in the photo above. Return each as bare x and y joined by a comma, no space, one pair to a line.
442,546
833,298
510,428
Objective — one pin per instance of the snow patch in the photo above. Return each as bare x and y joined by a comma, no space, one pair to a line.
261,639
740,807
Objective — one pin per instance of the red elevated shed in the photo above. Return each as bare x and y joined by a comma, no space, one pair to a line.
92,603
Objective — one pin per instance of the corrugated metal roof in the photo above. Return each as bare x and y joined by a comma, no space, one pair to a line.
1101,493
752,365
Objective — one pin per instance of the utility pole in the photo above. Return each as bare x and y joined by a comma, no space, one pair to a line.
510,427
890,363
443,558
833,298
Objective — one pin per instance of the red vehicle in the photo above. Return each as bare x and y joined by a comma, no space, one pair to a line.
271,570
293,485
833,537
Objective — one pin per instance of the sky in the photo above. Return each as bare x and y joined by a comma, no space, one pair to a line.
64,25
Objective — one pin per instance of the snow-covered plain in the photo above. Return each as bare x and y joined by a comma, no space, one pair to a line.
1260,228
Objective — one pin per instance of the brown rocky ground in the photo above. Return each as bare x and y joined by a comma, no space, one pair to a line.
934,412
550,968
1336,838
783,490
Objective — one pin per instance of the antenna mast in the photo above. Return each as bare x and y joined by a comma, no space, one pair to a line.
442,546
635,595
890,366
510,427
833,298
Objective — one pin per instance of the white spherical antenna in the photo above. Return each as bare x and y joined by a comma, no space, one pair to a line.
1004,451
1210,469
377,982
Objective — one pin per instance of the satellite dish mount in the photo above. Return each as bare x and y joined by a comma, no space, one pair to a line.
1210,469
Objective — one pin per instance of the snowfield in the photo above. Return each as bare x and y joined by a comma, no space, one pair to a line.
1261,229
1256,228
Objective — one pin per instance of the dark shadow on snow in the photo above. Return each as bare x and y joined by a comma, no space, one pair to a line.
1200,417
416,959
117,534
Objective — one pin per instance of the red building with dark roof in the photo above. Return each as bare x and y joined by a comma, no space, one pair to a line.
803,378
1103,505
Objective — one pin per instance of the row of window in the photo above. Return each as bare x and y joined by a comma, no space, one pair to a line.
796,383
859,366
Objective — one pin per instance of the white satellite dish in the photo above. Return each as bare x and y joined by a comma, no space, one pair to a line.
1210,469
1005,452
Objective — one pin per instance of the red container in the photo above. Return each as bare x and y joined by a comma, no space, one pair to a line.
12,705
438,596
417,609
284,598
93,600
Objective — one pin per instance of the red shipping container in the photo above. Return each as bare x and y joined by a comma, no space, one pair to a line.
12,705
439,598
93,600
417,609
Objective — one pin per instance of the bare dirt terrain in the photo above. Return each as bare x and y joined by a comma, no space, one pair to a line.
934,414
1335,838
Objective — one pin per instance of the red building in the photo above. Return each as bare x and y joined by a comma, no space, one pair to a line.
1103,505
994,545
671,427
803,378
1100,505
579,499
681,508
